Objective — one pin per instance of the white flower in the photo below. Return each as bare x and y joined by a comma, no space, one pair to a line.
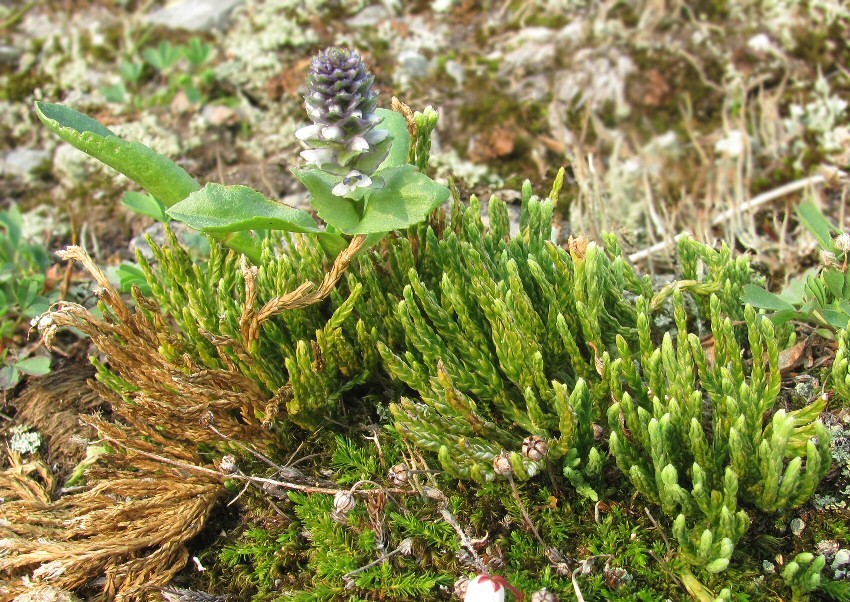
489,588
353,180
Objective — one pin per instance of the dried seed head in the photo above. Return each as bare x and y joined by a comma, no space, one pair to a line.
544,595
399,475
502,464
842,242
228,464
535,448
461,585
344,503
828,259
341,104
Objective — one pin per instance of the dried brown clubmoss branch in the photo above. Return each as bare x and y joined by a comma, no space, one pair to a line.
150,497
130,527
303,296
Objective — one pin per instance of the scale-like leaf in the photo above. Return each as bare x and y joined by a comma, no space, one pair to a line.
159,175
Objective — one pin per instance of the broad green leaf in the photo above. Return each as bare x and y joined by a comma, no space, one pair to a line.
34,366
28,289
762,299
396,124
406,198
157,174
9,377
815,222
218,209
339,212
145,205
333,244
836,319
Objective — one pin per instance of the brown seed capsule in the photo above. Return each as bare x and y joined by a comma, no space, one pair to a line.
399,475
502,464
344,503
544,595
228,464
535,448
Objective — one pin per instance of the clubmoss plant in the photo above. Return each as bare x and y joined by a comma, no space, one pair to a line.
697,431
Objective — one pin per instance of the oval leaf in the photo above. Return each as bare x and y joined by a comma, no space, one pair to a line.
759,297
407,198
34,366
218,209
337,211
816,223
157,174
144,204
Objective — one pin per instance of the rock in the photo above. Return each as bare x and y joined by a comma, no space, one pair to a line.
9,54
25,163
219,115
411,66
71,166
370,16
194,15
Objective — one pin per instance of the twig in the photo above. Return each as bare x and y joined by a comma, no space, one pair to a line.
660,531
221,475
404,544
753,203
465,540
555,554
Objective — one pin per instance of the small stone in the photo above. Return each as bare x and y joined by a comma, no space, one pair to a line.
412,65
535,448
219,115
194,15
797,526
25,163
502,464
370,16
9,54
399,475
